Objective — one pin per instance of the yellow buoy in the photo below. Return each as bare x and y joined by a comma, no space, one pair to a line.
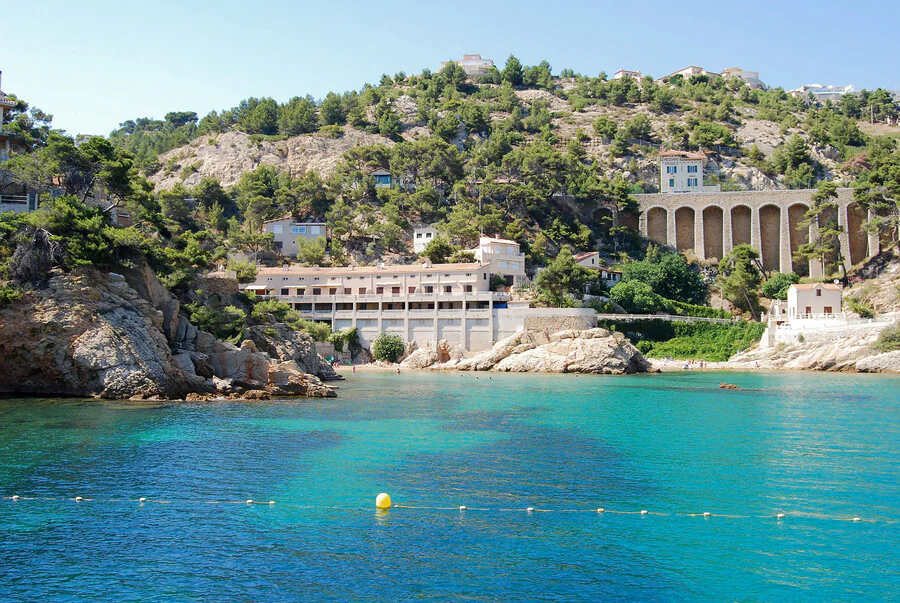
383,501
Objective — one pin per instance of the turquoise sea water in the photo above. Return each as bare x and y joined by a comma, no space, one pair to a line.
819,448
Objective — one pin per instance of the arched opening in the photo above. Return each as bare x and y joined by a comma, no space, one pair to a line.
629,219
859,238
656,225
684,228
603,218
713,220
770,236
799,236
741,221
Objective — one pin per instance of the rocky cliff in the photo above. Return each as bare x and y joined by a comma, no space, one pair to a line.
89,333
571,351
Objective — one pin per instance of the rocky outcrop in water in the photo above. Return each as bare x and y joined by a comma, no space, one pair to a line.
434,352
570,351
89,333
283,343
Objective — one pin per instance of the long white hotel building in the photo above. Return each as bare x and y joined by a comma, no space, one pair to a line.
423,302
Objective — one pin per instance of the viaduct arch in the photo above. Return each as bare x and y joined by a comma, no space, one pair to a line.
712,224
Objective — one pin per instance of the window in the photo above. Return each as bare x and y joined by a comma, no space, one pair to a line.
383,179
395,290
429,289
692,182
827,309
317,291
808,310
298,229
484,276
301,291
671,183
692,169
278,228
285,291
428,235
467,288
418,235
347,290
332,292
448,288
412,289
379,290
315,230
818,293
362,290
671,169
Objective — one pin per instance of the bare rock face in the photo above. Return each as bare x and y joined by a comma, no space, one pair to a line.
283,343
889,362
89,334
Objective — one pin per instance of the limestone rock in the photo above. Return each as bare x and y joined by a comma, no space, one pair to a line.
288,379
434,352
889,362
283,343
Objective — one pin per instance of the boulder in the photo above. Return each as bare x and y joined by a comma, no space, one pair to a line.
889,362
245,364
432,353
288,379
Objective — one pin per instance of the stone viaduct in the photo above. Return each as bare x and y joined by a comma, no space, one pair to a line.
712,224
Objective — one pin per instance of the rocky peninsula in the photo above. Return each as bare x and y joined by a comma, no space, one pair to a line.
121,335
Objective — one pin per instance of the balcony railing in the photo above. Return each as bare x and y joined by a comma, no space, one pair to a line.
14,199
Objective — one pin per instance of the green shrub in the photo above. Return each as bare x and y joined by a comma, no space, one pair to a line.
225,323
860,307
388,347
777,286
712,342
271,310
350,336
889,339
683,309
245,271
9,295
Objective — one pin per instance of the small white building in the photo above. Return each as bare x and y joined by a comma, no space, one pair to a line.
422,237
750,77
588,259
473,65
610,278
383,178
287,231
689,72
682,172
623,73
814,300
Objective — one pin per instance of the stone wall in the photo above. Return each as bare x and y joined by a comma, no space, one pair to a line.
554,324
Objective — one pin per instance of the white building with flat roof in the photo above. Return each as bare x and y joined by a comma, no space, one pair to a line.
473,65
821,92
422,237
287,232
750,77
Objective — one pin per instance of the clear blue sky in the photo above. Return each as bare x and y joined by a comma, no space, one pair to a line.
95,63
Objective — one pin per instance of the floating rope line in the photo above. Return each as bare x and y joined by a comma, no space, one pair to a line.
461,508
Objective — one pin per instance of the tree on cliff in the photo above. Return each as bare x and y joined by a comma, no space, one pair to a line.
823,214
512,72
562,279
739,278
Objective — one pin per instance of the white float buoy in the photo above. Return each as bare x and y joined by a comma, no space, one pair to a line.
643,512
779,516
249,501
706,514
383,501
462,507
78,499
601,510
142,499
15,497
530,509
271,502
856,519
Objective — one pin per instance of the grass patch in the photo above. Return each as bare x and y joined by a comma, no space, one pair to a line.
689,340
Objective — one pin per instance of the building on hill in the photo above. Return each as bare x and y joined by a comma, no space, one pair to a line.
682,172
750,77
473,65
383,178
14,196
809,308
821,92
623,73
422,237
588,259
287,232
689,72
814,300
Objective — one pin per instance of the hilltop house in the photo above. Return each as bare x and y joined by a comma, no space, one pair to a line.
591,259
502,256
622,73
473,65
588,259
820,92
287,232
682,172
688,72
750,77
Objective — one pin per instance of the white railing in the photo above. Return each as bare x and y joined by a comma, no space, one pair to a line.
14,199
